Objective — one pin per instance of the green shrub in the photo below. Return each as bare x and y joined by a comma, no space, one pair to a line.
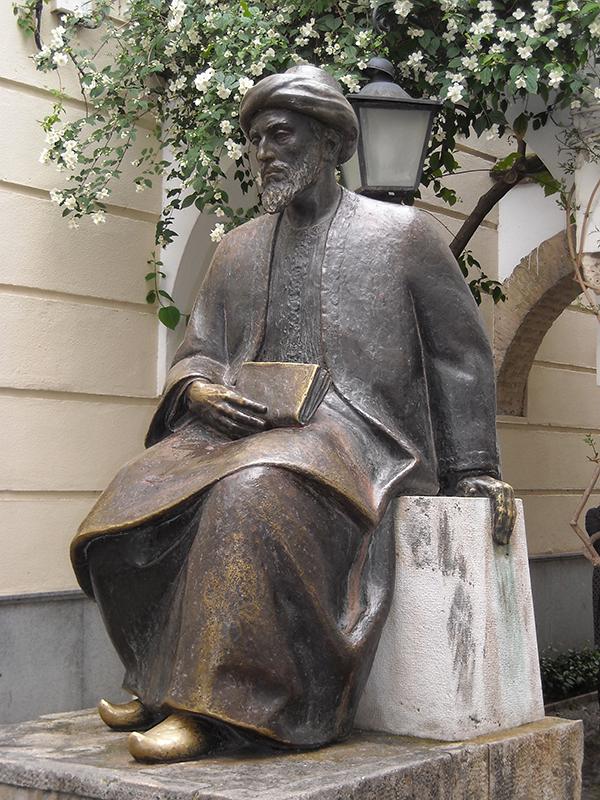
568,674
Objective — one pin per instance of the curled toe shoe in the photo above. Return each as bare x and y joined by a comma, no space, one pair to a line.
179,737
129,716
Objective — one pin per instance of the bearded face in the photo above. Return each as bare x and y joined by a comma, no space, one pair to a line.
282,182
291,153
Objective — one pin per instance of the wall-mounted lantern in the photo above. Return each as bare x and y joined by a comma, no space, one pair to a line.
394,134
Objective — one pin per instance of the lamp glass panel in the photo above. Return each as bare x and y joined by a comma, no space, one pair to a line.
393,140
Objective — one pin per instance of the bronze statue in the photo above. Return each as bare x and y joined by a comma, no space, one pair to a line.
243,567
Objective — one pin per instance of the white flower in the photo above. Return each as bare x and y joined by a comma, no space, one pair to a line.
361,64
258,67
470,62
484,26
57,37
519,13
362,38
139,187
218,232
521,82
497,48
403,8
493,132
202,79
414,61
485,5
415,33
351,82
99,217
70,202
455,92
223,92
56,196
308,29
563,29
575,104
219,212
234,149
52,137
551,44
176,14
60,59
572,6
528,31
177,84
524,52
44,156
69,155
505,35
555,77
245,84
73,224
543,20
597,93
104,192
595,27
226,127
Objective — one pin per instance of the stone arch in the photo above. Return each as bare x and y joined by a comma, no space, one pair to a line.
539,289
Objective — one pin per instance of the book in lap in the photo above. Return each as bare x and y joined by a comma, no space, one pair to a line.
291,392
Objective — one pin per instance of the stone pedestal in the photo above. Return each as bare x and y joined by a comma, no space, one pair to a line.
73,756
458,655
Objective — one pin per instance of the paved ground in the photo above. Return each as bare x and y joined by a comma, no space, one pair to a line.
589,712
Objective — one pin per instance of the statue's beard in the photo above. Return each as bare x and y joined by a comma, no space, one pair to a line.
280,189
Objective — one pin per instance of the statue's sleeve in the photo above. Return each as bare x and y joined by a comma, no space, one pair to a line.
202,355
457,358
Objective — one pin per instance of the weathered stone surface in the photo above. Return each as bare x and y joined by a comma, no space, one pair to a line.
73,756
458,655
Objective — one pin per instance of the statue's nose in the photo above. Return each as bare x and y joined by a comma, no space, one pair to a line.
264,151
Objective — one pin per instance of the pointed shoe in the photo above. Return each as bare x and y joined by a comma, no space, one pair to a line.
130,716
179,737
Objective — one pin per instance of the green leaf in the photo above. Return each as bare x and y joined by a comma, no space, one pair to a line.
150,276
519,126
169,316
531,76
151,297
485,76
162,293
187,201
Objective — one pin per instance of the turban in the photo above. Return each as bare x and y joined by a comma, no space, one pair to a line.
307,90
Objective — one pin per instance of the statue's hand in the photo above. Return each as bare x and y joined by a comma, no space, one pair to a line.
224,409
504,510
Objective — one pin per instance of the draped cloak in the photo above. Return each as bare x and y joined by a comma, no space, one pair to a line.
248,580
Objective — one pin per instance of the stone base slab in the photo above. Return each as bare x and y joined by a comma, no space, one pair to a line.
72,755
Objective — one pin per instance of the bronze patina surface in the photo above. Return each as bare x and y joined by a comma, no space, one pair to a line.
244,570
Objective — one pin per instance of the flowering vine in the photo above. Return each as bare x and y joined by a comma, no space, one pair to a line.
185,66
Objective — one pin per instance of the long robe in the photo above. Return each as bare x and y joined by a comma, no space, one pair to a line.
248,580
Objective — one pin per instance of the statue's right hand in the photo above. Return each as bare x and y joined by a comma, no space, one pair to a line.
224,409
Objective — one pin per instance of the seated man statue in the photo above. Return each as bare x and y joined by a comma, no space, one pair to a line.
243,569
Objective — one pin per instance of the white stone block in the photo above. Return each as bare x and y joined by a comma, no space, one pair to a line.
458,655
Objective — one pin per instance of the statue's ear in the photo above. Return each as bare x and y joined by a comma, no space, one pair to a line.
333,143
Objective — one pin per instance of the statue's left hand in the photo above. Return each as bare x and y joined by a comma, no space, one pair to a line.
504,510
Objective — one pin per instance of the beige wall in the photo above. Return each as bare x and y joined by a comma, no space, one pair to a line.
543,454
79,348
78,357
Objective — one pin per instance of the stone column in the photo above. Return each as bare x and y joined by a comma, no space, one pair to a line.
458,656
